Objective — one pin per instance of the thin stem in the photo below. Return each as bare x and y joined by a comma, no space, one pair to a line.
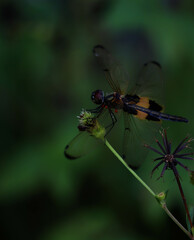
182,195
176,221
162,202
131,171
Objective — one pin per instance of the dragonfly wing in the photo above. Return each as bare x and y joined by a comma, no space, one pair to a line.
137,132
115,74
150,82
78,146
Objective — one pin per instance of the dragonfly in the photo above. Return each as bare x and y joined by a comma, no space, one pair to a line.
139,100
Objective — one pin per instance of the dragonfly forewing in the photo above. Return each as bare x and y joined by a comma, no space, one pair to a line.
150,82
115,74
137,132
79,145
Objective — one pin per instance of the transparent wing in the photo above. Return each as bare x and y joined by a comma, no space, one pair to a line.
115,74
78,146
150,82
137,132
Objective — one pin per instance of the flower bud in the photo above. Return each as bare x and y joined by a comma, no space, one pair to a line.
88,122
161,197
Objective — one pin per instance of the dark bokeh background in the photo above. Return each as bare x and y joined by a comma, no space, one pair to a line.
47,74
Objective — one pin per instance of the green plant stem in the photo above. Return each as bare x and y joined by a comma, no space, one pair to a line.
183,197
176,221
130,170
162,202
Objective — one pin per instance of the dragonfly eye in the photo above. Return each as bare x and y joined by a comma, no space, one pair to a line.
98,97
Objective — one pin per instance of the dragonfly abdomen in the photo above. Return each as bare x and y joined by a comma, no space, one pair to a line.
165,116
141,103
159,115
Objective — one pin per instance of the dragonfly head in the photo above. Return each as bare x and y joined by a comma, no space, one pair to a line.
98,97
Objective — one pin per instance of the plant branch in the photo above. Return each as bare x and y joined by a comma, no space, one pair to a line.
176,221
157,197
129,169
183,197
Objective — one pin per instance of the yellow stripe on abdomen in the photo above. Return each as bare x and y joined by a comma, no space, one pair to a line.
143,102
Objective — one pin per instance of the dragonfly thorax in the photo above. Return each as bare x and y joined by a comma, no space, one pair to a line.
98,97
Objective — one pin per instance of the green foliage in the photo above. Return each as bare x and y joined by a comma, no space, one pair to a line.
47,74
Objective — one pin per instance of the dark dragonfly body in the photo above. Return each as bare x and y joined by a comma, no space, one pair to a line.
140,100
142,108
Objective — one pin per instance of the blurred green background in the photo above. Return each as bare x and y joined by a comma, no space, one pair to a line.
47,74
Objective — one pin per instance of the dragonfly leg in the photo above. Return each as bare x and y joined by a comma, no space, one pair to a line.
96,110
114,120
